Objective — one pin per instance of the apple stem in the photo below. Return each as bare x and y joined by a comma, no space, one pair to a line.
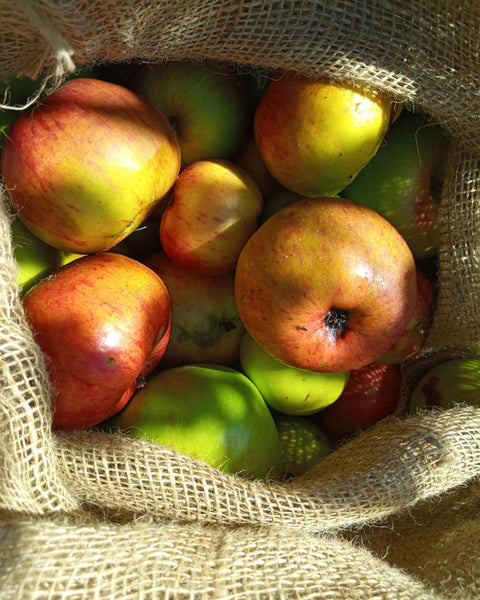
336,321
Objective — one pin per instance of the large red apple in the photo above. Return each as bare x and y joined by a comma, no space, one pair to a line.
371,394
103,322
206,326
88,164
326,284
213,210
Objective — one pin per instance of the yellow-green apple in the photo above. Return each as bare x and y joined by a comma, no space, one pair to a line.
206,326
103,322
212,413
287,389
87,165
414,336
206,102
35,259
315,135
326,284
446,384
304,443
213,210
403,181
371,394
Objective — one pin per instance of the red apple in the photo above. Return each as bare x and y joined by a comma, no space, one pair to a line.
87,165
413,339
371,394
214,209
326,284
206,326
315,135
103,322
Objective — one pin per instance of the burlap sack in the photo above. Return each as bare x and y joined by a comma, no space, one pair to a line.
392,515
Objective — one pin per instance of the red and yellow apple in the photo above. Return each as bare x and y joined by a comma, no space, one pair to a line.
213,210
87,165
103,321
326,284
206,102
206,326
315,135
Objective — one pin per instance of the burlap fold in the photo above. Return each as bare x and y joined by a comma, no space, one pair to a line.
92,515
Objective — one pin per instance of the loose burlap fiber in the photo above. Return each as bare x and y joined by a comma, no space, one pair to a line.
394,514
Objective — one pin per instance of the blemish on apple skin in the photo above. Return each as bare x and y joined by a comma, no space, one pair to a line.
306,398
302,328
110,360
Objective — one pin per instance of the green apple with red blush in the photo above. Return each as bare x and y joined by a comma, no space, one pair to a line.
213,210
206,326
206,102
446,384
403,182
107,157
103,322
317,293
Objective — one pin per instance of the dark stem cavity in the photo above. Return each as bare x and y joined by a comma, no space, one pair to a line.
336,321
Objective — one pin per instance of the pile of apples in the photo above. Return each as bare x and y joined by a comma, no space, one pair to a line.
233,263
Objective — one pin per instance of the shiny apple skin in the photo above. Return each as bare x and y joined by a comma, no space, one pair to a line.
214,209
87,165
311,260
315,135
206,326
102,321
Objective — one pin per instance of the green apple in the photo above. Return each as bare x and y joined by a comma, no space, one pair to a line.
209,412
315,135
207,104
288,389
403,181
35,259
446,384
304,444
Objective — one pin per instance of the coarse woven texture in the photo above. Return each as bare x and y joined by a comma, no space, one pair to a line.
92,515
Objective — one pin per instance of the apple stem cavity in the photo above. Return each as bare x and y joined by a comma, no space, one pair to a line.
336,321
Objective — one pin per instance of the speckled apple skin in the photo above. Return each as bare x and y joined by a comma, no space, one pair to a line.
87,165
315,135
101,321
319,254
